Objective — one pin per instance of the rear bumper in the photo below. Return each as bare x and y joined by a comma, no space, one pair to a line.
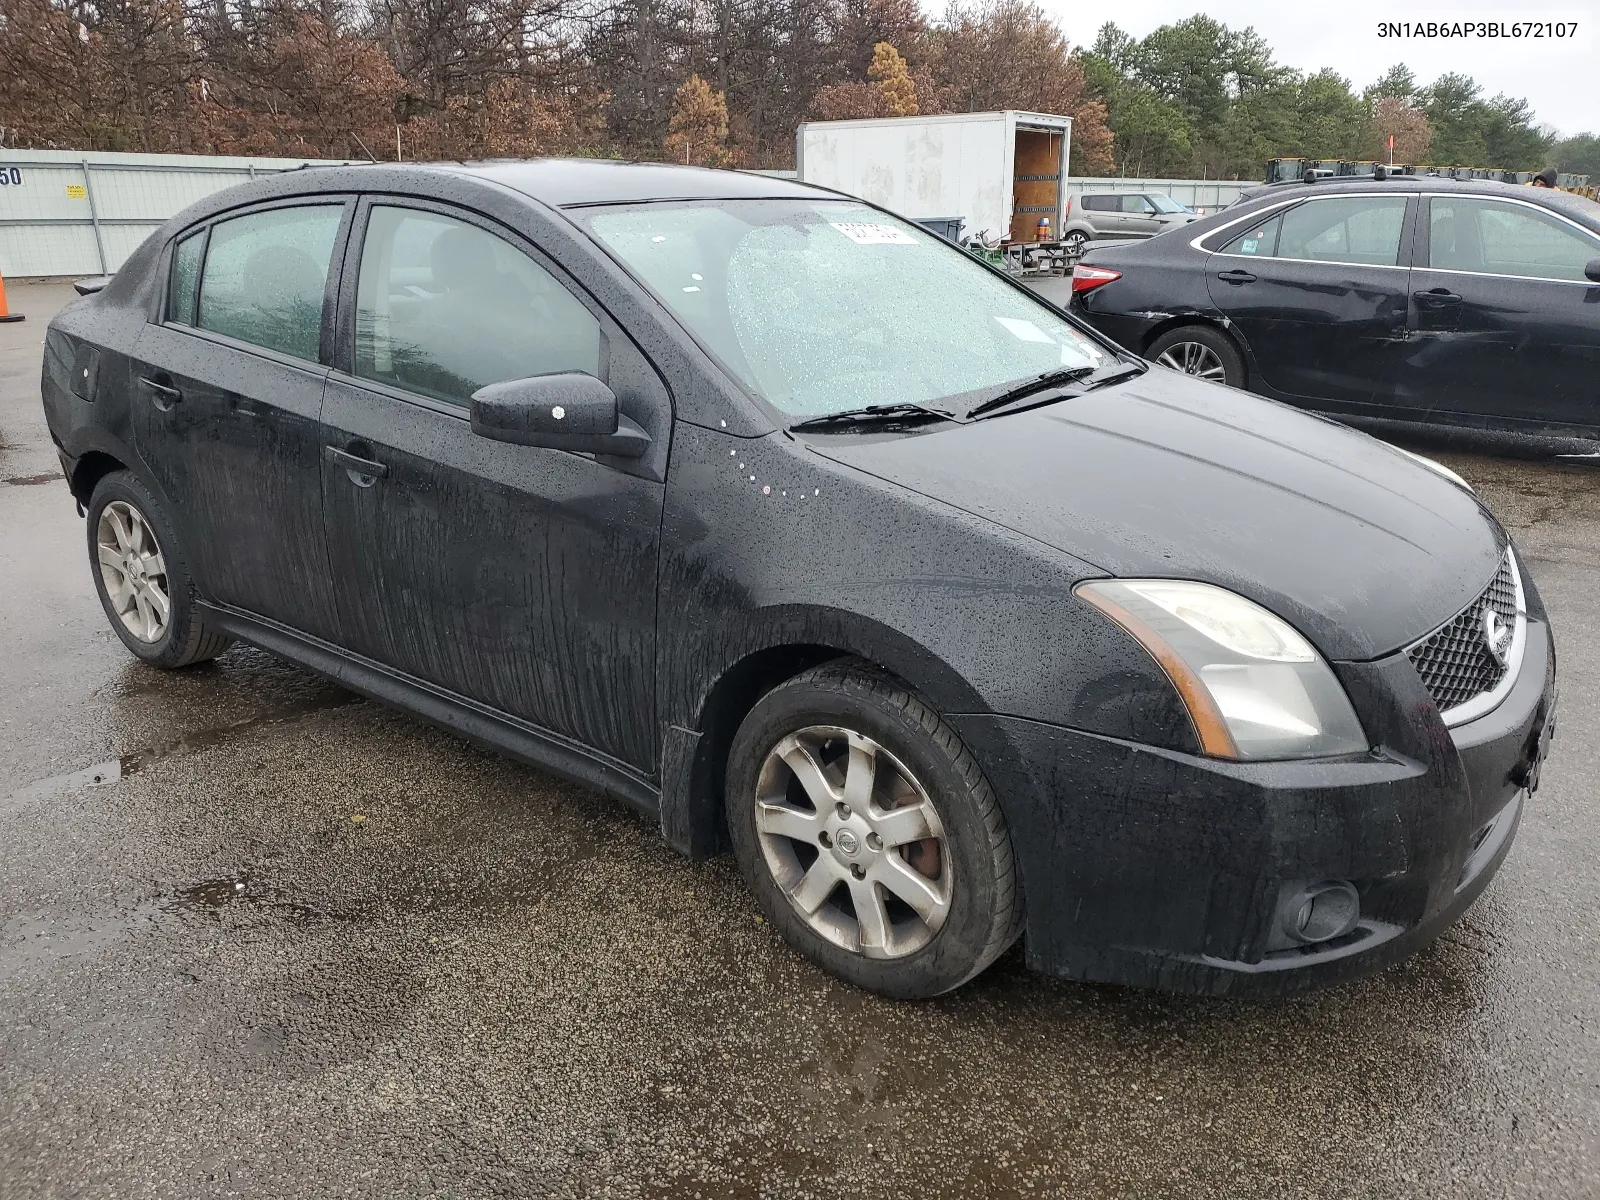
1158,869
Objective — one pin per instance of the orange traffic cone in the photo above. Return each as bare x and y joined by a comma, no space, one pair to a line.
5,313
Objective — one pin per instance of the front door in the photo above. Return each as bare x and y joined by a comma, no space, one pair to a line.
519,577
1138,217
1504,322
1318,292
226,414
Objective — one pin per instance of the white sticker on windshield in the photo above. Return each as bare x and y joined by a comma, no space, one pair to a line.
1024,331
864,233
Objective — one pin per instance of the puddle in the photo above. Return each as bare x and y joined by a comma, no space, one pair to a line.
113,770
244,892
205,739
98,775
33,941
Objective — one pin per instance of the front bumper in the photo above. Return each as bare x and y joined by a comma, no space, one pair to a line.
1153,868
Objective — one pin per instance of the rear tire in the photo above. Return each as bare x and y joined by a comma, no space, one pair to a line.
142,577
1201,351
901,879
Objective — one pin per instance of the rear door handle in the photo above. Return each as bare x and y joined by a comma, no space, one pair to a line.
363,472
1236,277
1437,298
162,395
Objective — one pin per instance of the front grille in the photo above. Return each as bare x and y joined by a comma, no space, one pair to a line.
1454,660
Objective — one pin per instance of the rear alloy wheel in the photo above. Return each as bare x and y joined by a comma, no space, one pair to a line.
1074,242
143,577
1199,351
869,835
133,572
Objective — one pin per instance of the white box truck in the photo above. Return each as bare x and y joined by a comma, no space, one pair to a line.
1000,172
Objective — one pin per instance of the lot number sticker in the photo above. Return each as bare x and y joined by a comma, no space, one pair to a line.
864,233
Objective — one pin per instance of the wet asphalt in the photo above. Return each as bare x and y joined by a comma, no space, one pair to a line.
259,937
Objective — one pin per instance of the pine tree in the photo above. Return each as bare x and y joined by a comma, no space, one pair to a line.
895,86
698,130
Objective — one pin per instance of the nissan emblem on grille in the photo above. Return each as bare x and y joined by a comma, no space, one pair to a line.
1496,636
1470,655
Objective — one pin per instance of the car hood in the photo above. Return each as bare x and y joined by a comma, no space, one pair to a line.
1358,545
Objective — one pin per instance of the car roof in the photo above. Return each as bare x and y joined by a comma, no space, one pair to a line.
1403,183
1579,208
574,182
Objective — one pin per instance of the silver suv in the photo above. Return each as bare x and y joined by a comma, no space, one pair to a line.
1092,215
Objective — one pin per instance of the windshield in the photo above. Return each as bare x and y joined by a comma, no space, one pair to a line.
1166,204
824,306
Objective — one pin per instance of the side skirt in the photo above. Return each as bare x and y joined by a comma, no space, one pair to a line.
472,720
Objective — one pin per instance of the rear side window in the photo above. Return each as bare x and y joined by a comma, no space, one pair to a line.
444,308
1491,238
265,275
1363,230
1257,241
1100,203
185,278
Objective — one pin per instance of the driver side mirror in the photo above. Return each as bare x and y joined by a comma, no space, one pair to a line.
1592,270
570,411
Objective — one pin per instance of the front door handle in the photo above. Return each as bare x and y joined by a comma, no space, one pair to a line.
162,395
1437,298
1236,277
363,472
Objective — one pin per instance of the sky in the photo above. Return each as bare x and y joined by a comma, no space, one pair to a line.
1558,77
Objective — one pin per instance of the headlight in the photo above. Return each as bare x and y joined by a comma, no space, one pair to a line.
1253,686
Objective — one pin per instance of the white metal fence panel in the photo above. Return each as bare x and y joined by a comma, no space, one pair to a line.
1209,194
64,212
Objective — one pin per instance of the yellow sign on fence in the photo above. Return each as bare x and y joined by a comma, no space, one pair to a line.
75,191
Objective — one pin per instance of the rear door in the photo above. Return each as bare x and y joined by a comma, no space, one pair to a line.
229,395
1319,294
520,577
1504,322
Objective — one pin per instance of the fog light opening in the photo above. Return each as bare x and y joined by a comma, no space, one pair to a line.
1322,912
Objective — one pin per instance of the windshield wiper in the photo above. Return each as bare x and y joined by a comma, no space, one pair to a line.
873,413
1039,383
1128,372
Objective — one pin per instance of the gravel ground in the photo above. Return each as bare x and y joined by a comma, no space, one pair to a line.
261,938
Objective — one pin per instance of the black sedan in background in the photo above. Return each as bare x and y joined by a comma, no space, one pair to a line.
805,534
1407,299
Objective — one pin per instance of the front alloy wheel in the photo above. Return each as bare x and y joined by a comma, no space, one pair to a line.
853,842
868,833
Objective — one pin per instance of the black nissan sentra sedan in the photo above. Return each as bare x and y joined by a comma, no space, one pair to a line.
806,534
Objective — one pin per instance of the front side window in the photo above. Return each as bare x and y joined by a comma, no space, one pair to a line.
823,306
1138,205
185,278
444,308
1494,238
1361,230
265,275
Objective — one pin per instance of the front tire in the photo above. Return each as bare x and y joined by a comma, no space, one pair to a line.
142,576
869,835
